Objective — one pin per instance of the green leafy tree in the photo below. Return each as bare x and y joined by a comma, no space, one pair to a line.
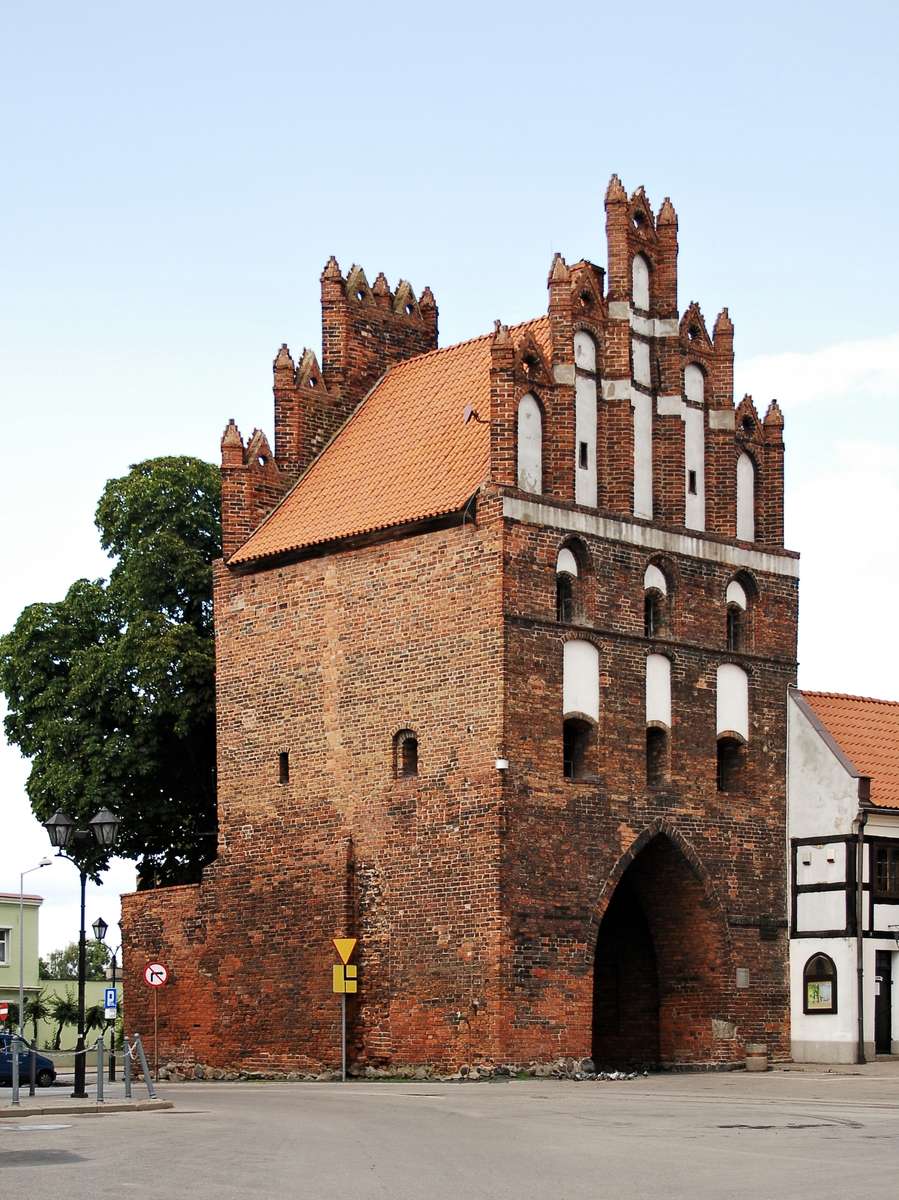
111,691
64,1011
36,1009
94,1018
63,964
12,1017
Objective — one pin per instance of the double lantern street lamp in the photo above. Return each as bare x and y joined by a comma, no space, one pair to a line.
83,843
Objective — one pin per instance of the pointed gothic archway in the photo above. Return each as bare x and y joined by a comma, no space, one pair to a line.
662,962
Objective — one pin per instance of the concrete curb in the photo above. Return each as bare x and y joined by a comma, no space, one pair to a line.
24,1111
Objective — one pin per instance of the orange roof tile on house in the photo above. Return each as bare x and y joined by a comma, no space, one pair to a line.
867,732
406,454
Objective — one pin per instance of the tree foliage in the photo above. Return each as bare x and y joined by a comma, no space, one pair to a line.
63,964
111,690
37,1009
64,1011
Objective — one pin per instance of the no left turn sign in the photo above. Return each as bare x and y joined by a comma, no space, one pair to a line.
155,974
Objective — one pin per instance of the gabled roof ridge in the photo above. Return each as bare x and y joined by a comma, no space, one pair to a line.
322,459
848,696
481,337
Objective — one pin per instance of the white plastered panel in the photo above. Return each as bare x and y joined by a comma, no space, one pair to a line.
733,700
736,594
530,446
580,679
658,689
585,478
640,278
745,498
642,406
566,562
694,460
640,352
820,910
654,578
584,351
694,384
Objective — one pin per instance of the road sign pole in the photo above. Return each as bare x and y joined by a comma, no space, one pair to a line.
343,1037
14,1052
156,1033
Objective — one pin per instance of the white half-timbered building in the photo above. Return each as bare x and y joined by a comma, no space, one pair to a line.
843,797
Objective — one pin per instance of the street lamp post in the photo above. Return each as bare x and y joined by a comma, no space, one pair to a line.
45,862
100,834
100,929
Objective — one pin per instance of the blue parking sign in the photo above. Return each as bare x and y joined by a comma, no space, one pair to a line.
110,1001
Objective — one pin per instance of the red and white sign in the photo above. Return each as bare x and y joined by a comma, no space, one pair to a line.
4,1012
155,974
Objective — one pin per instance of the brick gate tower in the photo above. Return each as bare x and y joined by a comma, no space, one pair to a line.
504,633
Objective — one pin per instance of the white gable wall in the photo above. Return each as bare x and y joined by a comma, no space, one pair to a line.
822,797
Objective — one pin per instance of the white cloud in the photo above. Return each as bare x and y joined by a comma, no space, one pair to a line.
844,524
841,406
850,371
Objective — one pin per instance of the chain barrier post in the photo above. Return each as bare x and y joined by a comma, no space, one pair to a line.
32,1070
126,1041
148,1079
100,1069
14,1051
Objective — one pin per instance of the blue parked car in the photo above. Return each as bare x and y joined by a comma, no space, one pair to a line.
45,1070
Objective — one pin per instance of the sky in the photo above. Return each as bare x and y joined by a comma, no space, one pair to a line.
175,178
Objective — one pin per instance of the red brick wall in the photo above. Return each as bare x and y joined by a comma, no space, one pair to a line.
328,659
566,838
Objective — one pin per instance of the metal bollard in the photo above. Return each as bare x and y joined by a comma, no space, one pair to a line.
14,1051
126,1041
100,1069
32,1071
148,1078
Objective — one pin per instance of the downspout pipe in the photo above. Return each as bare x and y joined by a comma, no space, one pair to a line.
861,820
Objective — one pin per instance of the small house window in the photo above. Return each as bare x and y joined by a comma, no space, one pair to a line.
4,947
731,756
405,756
564,599
655,601
652,613
583,462
577,740
819,985
656,756
737,599
691,482
284,767
886,871
734,627
568,570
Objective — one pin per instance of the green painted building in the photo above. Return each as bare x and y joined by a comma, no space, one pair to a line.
9,945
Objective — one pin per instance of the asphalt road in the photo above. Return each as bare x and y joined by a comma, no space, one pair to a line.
783,1135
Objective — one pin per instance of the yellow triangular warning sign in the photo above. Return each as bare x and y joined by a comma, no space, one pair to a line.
345,947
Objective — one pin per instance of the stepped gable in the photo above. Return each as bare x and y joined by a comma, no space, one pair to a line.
867,731
406,454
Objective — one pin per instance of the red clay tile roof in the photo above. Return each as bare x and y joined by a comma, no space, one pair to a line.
405,454
868,733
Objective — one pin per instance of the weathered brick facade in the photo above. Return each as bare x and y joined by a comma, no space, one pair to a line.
505,911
